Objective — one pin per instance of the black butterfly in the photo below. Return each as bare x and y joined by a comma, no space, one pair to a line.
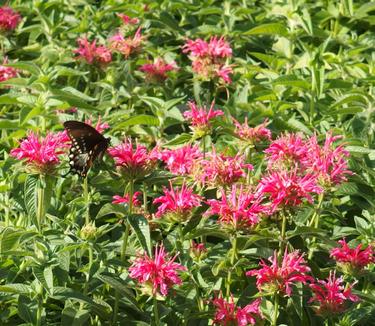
87,145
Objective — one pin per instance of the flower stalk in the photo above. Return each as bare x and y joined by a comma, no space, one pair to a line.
41,196
232,261
156,311
315,221
86,198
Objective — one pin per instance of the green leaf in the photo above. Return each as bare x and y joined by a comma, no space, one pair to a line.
73,317
140,225
27,309
298,125
180,139
28,66
16,288
292,81
268,29
8,99
31,195
9,239
359,150
71,99
142,119
109,208
28,113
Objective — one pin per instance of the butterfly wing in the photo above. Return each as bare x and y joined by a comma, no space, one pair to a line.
87,144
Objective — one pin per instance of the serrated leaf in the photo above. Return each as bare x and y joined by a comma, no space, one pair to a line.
140,226
73,317
31,195
268,29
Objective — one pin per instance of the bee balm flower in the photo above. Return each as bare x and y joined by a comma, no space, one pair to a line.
126,45
158,273
41,154
275,278
227,313
331,296
157,71
92,54
9,19
352,260
177,203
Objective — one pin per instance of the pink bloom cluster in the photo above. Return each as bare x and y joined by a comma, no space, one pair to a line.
91,53
157,71
327,163
125,199
178,202
200,118
219,170
227,313
7,72
252,135
287,188
239,209
128,20
209,58
126,45
134,162
157,274
181,161
100,126
356,258
9,19
41,154
331,296
274,278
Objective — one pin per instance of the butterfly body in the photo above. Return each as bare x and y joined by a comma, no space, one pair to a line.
87,145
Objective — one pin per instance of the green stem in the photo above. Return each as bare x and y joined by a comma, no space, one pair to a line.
86,197
40,308
156,311
124,247
315,221
282,237
232,261
275,309
204,146
40,210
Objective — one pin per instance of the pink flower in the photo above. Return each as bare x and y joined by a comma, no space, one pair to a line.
9,19
274,278
199,116
224,73
216,47
288,188
209,58
181,161
353,259
7,72
157,71
287,151
128,45
219,169
331,164
157,274
134,162
100,126
252,135
41,154
198,250
227,313
125,200
331,296
127,20
91,53
238,209
177,202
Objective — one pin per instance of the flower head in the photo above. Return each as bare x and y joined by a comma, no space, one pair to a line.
41,154
181,160
100,126
252,135
92,54
128,20
239,209
200,118
157,71
126,45
157,274
274,278
288,188
288,151
177,203
218,169
198,250
7,72
353,260
227,313
9,19
209,58
329,163
331,295
132,161
125,199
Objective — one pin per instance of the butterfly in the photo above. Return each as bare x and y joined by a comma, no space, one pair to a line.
87,145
